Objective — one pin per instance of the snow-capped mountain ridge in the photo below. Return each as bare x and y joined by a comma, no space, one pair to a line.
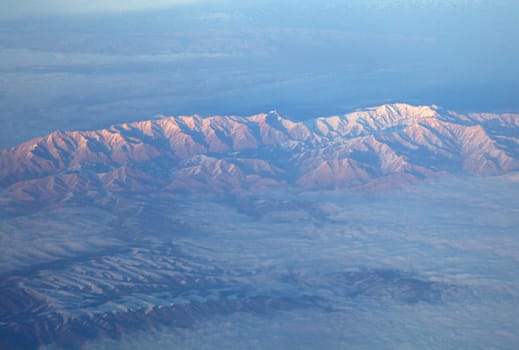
379,146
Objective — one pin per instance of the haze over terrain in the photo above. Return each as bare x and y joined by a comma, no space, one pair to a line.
92,66
192,232
254,174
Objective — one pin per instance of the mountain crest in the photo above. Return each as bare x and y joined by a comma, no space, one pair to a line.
389,144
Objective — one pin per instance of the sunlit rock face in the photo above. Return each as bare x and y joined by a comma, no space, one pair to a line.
356,231
384,146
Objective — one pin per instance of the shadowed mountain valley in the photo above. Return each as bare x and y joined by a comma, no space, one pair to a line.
186,232
382,147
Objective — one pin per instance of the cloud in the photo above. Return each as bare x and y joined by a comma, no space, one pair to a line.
11,9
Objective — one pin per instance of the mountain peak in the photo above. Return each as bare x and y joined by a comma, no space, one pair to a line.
391,144
406,111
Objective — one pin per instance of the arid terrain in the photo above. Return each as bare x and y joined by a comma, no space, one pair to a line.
186,232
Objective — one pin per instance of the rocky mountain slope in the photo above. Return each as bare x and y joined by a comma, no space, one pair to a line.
382,146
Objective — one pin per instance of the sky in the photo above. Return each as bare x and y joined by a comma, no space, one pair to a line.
10,9
72,65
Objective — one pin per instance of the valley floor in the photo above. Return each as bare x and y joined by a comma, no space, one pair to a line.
429,266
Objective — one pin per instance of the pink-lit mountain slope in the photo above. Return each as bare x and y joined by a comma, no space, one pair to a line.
382,146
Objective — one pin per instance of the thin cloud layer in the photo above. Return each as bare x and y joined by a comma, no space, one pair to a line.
13,9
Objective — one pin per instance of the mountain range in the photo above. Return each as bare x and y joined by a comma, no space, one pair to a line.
177,223
384,146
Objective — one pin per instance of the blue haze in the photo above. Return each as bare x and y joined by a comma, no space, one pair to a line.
90,68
